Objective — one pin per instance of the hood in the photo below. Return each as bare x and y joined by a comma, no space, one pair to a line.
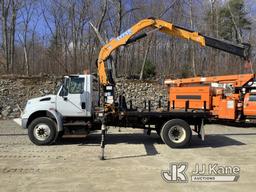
42,99
40,103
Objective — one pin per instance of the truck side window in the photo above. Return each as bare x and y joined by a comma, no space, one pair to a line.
76,86
252,98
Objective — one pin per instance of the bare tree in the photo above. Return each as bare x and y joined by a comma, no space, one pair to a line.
26,13
148,42
55,36
5,7
9,9
192,48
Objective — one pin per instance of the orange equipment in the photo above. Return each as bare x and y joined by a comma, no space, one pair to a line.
131,35
226,97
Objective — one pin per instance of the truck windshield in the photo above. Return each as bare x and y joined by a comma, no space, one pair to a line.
252,98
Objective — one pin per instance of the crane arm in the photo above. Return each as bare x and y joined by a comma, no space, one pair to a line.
129,36
168,28
241,50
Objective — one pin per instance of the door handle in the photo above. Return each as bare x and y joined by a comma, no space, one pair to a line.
83,105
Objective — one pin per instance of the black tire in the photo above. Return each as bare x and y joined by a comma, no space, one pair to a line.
44,135
176,133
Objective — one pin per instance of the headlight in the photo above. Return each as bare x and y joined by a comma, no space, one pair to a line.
26,107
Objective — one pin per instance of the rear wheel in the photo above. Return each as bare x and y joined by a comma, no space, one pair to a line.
42,131
176,133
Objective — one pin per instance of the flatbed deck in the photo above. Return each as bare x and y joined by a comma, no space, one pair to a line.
173,126
141,119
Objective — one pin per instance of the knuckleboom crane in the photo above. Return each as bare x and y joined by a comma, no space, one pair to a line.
131,35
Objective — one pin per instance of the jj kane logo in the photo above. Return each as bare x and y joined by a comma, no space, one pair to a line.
201,173
176,173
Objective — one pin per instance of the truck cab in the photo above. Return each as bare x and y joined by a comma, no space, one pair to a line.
69,110
250,105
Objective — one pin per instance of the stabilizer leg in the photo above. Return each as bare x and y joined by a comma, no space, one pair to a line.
103,137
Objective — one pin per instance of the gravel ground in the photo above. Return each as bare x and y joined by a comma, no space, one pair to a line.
134,161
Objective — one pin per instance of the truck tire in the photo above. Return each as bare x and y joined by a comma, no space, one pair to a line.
176,133
42,131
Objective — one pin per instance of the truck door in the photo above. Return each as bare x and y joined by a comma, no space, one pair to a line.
73,103
250,104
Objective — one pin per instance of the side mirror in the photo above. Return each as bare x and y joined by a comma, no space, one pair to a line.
64,91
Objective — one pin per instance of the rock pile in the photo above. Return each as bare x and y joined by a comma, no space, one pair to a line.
143,91
15,91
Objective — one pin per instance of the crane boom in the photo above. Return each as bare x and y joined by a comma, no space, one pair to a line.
130,36
241,50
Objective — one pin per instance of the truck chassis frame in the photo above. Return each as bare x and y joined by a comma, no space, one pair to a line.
153,120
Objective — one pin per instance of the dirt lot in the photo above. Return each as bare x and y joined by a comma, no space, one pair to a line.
134,161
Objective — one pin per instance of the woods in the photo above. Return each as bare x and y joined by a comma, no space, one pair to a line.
56,37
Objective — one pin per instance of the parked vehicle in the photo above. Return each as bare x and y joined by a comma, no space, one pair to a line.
76,104
230,97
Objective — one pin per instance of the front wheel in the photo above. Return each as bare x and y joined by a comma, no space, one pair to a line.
176,133
42,131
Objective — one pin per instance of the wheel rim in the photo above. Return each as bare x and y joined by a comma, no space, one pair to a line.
42,132
177,134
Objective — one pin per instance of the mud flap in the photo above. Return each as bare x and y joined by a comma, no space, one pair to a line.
202,131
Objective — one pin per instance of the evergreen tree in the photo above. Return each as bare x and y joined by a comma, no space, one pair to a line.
233,21
149,70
